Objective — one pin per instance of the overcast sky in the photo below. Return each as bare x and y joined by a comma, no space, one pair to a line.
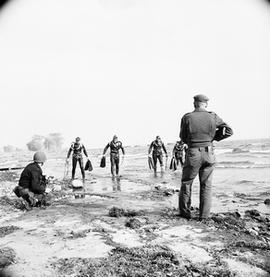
131,67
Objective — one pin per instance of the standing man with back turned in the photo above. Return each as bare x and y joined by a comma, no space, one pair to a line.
198,130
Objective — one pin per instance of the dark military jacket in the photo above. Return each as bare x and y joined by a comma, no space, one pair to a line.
32,179
198,128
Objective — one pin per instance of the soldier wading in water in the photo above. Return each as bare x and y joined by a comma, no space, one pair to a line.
157,154
77,148
115,145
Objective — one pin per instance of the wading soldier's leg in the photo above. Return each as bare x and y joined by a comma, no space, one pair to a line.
112,164
190,171
181,159
155,162
74,164
82,167
206,176
117,160
160,159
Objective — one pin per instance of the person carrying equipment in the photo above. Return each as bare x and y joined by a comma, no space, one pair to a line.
77,148
179,152
157,154
198,130
32,183
115,145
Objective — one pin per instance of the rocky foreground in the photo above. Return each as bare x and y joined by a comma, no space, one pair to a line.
126,234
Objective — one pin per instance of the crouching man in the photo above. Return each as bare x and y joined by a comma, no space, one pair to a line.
32,183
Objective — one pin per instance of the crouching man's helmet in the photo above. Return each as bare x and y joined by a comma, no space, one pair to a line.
40,157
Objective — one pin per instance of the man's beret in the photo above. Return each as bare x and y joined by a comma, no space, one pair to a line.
201,98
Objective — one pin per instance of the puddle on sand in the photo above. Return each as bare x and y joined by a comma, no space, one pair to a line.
127,238
242,269
185,240
44,247
109,186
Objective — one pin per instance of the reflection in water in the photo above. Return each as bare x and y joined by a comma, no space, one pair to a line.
116,183
79,192
161,173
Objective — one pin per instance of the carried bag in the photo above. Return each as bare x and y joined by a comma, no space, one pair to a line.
150,163
222,132
173,165
88,166
103,162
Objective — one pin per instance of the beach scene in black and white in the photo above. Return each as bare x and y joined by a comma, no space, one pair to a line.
135,138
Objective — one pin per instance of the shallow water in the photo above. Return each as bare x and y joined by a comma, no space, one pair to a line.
241,178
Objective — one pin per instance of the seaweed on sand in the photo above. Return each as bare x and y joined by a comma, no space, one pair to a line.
8,176
6,230
148,261
7,257
15,203
119,212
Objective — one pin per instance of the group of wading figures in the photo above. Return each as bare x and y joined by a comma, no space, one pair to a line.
155,153
194,152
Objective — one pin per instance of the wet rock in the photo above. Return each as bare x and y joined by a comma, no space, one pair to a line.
7,257
239,150
168,192
218,219
79,234
48,190
135,223
229,221
260,218
267,201
252,213
116,212
253,232
57,188
130,213
163,191
251,244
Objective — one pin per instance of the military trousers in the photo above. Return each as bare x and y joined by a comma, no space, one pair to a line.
198,161
31,198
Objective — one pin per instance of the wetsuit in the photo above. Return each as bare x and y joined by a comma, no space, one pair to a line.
114,155
32,184
179,152
157,152
77,149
